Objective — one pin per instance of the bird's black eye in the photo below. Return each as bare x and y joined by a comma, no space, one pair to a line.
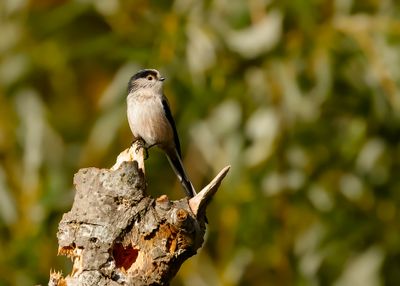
150,77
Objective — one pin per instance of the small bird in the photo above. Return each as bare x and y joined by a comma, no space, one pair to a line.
151,121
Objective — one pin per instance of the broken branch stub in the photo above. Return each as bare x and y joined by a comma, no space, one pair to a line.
118,235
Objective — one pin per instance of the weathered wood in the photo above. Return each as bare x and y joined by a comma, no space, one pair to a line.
116,234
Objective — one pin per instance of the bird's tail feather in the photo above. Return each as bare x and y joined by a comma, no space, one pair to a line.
177,165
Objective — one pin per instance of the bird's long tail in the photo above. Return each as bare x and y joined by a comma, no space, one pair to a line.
177,165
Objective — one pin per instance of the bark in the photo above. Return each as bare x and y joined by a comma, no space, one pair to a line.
116,234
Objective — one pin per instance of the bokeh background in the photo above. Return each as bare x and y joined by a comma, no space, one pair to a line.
301,97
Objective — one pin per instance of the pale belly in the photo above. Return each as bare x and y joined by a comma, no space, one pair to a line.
147,121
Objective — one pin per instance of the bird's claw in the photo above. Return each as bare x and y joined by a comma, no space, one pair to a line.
141,145
146,153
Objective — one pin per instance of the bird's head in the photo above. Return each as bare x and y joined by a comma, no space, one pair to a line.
146,79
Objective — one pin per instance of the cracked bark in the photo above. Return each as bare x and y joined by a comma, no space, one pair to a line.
116,234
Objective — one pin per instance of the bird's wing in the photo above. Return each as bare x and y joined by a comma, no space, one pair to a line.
171,121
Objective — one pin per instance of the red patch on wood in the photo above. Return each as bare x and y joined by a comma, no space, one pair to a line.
124,256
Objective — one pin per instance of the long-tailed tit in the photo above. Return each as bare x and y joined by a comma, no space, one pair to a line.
151,121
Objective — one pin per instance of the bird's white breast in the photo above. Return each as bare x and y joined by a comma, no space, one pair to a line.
147,119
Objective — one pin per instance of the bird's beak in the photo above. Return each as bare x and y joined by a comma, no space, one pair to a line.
162,78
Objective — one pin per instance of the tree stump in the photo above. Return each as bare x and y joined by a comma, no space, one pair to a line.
116,234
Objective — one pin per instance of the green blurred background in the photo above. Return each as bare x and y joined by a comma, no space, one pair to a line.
302,98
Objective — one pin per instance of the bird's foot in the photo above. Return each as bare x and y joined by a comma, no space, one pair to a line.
146,153
140,144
